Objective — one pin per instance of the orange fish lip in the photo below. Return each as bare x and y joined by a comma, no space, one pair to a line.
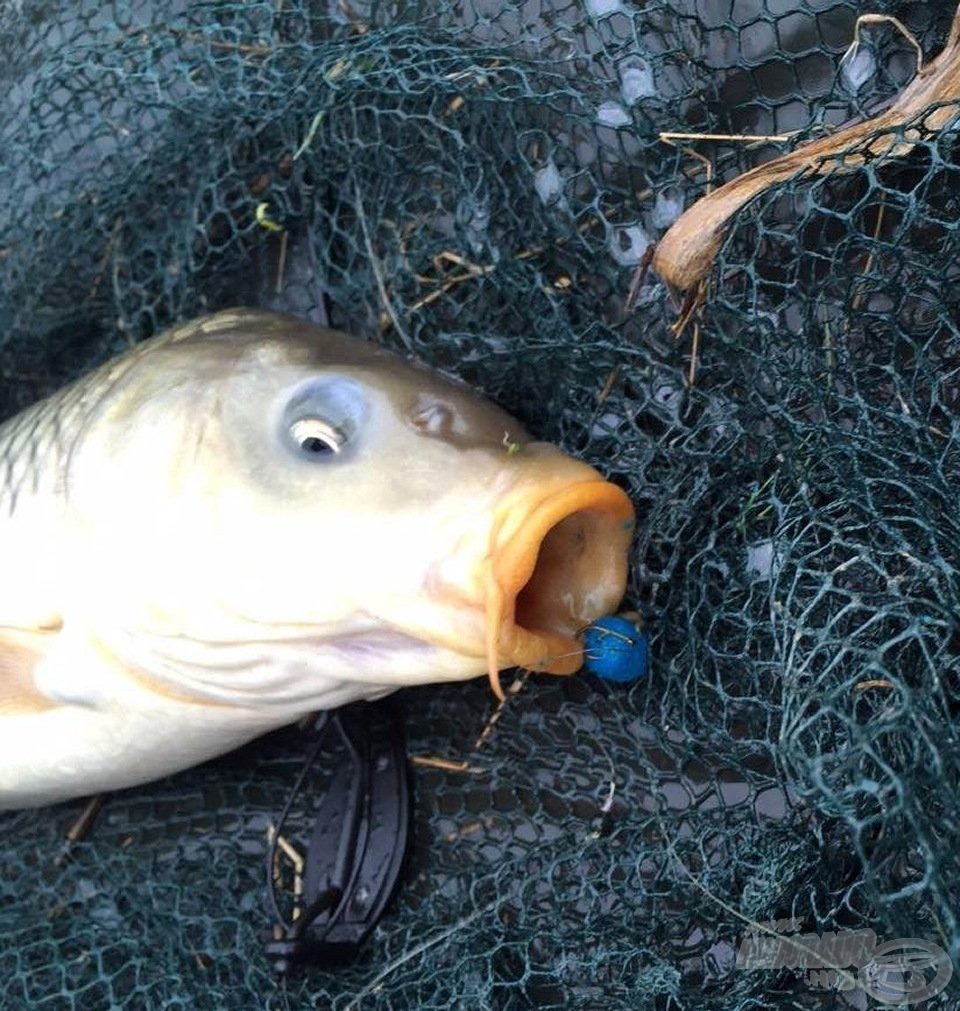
552,570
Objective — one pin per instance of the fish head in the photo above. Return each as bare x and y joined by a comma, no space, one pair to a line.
272,482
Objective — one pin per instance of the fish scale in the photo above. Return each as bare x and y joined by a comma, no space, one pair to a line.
34,445
46,426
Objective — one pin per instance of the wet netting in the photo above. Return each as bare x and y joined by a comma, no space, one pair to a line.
475,182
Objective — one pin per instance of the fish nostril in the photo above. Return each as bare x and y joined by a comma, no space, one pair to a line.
434,419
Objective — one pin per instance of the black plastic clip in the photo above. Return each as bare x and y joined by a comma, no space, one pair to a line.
358,843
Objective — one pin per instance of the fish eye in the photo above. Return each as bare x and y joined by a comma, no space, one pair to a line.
323,416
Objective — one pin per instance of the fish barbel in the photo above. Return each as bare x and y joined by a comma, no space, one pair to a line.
249,518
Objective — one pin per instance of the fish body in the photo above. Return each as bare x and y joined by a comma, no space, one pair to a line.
247,519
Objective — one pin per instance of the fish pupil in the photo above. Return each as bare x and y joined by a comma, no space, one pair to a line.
314,444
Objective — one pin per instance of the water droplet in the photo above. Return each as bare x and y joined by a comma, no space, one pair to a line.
666,208
760,559
627,245
604,8
636,82
548,183
857,67
613,114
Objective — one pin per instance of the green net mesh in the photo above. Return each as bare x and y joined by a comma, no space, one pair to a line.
475,181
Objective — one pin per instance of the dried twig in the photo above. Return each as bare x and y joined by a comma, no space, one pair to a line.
487,731
377,270
694,354
668,138
445,764
733,138
461,831
297,862
80,828
888,19
246,48
472,271
868,263
282,262
694,305
686,253
105,260
608,385
451,282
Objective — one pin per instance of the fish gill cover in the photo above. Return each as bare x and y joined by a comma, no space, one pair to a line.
476,181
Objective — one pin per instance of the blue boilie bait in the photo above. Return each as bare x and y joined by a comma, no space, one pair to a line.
617,649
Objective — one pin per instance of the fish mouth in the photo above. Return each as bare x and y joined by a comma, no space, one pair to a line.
552,570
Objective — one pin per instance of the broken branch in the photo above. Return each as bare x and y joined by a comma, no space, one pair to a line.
685,255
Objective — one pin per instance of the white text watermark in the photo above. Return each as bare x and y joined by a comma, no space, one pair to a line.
903,971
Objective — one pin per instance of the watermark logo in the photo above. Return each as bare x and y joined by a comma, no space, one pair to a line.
904,971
